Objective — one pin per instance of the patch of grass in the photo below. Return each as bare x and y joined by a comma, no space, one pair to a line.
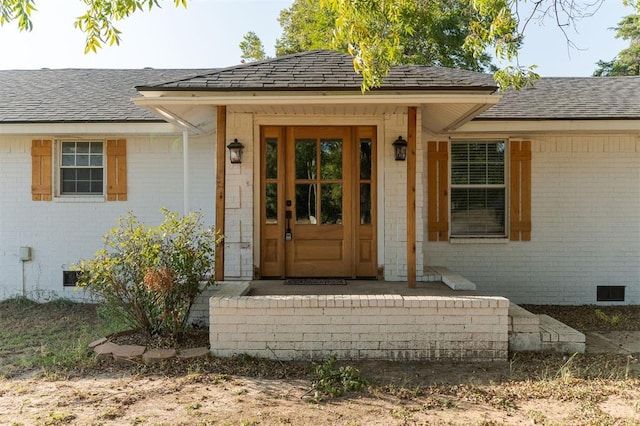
51,337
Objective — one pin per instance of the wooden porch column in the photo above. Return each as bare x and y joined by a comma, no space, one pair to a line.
221,160
411,196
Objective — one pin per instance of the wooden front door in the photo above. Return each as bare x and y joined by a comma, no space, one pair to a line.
318,202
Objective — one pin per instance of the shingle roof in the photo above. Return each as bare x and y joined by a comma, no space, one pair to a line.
324,70
77,95
570,98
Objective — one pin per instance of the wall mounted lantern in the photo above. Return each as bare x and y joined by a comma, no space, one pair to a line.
235,152
400,149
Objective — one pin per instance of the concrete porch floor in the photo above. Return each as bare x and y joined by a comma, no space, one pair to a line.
432,288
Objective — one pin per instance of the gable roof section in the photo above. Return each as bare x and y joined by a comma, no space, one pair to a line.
322,70
570,98
77,95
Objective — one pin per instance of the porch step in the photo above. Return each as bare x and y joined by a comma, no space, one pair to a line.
559,336
531,332
448,277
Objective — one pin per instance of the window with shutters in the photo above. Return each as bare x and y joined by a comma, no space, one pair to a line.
478,188
79,170
82,169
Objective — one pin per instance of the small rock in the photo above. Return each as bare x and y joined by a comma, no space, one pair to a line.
97,342
157,355
193,353
105,348
128,352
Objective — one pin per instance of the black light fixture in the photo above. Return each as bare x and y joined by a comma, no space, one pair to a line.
235,152
400,149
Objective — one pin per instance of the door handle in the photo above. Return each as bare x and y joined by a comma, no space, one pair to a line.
288,235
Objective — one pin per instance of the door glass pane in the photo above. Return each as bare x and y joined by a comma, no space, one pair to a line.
331,208
271,203
365,158
271,158
365,203
331,159
305,159
306,196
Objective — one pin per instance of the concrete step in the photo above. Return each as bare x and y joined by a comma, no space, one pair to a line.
448,277
559,337
530,332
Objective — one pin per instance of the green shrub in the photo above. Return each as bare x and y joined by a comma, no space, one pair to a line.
330,380
149,277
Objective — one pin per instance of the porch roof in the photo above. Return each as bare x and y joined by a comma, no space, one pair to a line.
322,70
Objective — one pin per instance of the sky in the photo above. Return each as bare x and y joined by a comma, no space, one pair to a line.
208,32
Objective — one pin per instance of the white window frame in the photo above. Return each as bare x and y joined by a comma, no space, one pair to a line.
57,171
505,186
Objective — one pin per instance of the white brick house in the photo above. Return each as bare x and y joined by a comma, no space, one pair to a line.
532,195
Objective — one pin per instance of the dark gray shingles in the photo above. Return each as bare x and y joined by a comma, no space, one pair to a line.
77,95
566,98
327,70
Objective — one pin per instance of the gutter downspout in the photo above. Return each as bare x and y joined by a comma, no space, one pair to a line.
185,171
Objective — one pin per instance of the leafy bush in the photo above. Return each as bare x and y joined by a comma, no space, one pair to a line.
330,380
149,277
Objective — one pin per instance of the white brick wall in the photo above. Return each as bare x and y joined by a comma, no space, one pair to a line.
585,227
62,233
395,201
360,326
239,215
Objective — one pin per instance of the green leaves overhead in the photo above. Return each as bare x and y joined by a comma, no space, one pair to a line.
98,22
17,10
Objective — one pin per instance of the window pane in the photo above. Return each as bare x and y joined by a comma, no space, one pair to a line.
68,147
68,187
306,159
96,160
331,208
96,148
271,158
495,174
82,160
96,174
83,174
477,212
478,174
365,158
83,186
459,153
459,174
68,160
331,159
306,195
96,186
365,203
271,203
82,147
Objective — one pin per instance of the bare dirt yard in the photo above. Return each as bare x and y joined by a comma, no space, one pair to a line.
48,377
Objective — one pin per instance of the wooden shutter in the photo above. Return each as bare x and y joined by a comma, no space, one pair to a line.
438,190
41,170
117,170
520,191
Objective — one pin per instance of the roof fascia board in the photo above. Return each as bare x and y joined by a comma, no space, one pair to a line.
549,126
399,98
86,128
